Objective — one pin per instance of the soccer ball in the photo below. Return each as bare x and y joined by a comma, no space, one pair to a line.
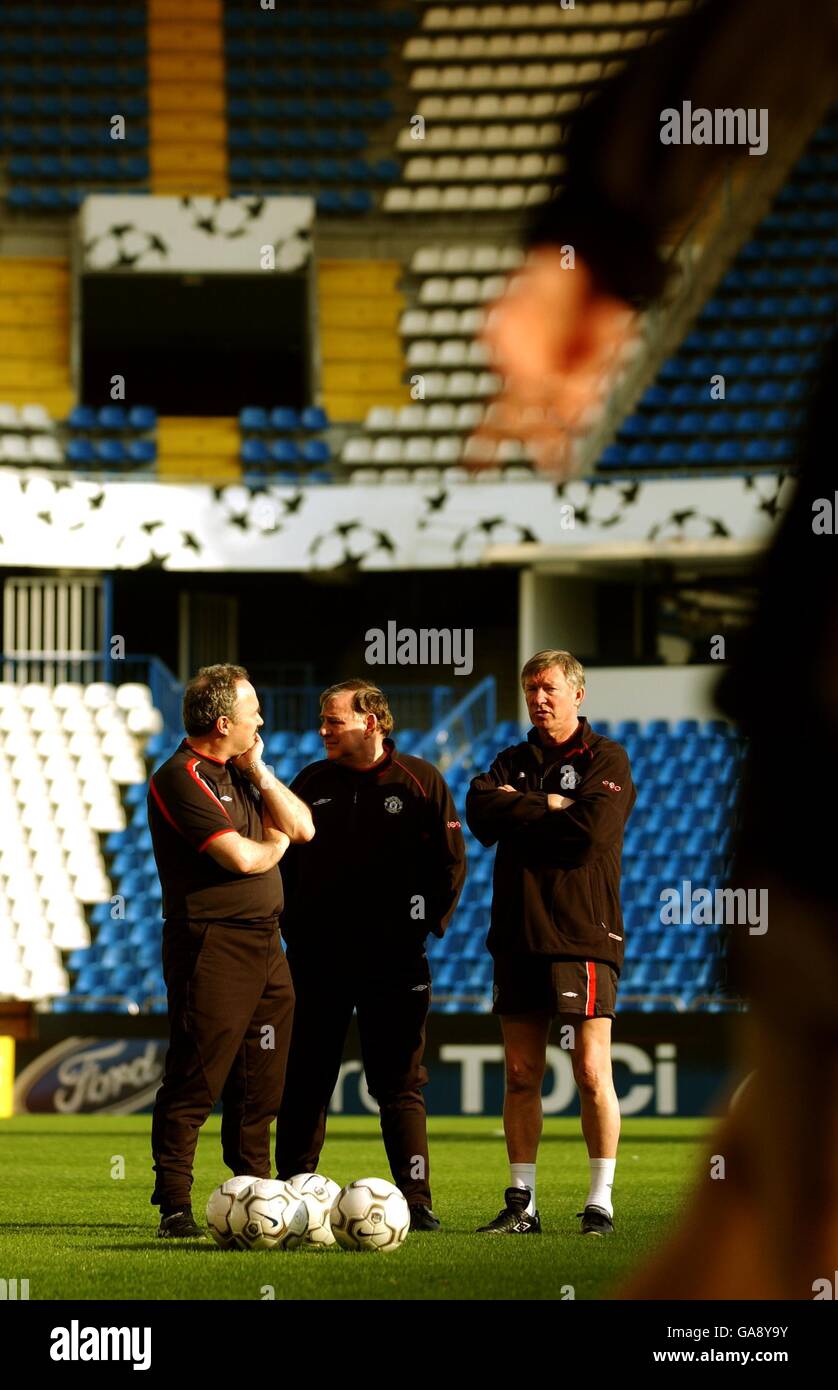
268,1215
219,1207
370,1214
318,1193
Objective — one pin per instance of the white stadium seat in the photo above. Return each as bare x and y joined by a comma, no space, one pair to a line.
45,449
441,416
387,450
98,694
418,450
410,417
454,198
380,417
447,450
36,417
426,260
469,415
133,695
397,200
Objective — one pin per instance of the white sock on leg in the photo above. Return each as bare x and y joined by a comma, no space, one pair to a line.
523,1175
602,1178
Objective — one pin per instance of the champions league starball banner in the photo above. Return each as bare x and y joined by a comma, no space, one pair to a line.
130,524
193,234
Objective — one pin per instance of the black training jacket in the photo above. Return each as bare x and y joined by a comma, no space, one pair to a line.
385,867
557,873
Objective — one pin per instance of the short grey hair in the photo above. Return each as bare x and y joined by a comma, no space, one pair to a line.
573,670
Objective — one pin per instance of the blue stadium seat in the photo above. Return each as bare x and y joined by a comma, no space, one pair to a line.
253,417
80,451
254,451
284,418
142,451
111,451
284,451
314,417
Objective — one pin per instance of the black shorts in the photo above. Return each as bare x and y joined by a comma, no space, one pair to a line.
528,984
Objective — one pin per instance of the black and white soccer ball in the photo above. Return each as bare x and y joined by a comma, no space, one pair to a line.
370,1214
688,524
223,217
470,544
318,1193
349,543
598,504
125,246
268,1215
771,492
220,1206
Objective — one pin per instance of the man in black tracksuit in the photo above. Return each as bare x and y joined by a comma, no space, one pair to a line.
220,823
556,806
385,867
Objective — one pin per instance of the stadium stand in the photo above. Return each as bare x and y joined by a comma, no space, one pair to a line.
493,82
65,751
66,71
761,331
305,101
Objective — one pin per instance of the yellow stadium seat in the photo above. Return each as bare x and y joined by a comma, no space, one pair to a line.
353,405
204,159
185,67
365,345
189,11
189,98
24,274
171,128
173,36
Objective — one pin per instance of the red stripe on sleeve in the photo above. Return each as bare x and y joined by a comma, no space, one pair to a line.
163,809
190,768
214,836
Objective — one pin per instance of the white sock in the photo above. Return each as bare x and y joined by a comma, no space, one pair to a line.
602,1177
523,1175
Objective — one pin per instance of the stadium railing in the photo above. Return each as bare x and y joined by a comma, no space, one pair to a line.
475,714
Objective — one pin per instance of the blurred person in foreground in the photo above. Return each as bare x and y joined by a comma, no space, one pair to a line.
770,1229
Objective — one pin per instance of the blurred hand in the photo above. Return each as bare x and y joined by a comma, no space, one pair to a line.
556,340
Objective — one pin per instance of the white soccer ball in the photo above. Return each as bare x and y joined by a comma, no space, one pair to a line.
370,1214
318,1193
268,1215
220,1206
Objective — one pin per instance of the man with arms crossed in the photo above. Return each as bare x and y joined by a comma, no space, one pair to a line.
556,806
385,868
220,823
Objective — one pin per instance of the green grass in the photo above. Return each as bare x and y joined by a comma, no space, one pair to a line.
75,1232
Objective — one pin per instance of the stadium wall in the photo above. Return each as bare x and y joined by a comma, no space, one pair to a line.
622,692
664,1064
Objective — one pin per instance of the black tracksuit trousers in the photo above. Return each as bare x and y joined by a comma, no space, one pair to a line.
392,1010
231,1003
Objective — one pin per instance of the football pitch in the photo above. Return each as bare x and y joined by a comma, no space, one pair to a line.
75,1231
